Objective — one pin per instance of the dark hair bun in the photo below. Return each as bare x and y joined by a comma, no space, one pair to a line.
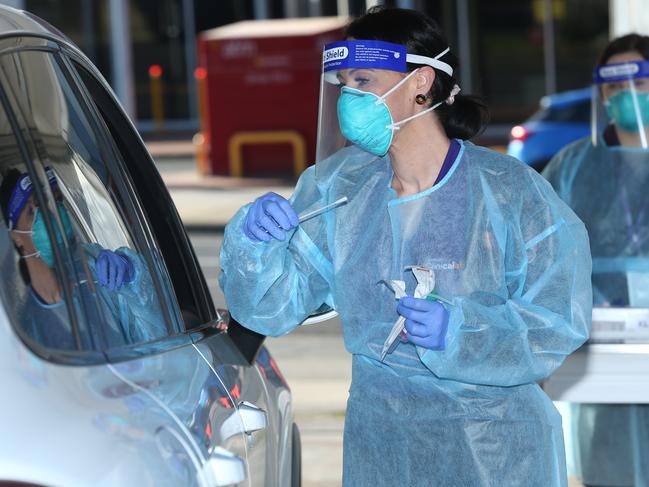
465,118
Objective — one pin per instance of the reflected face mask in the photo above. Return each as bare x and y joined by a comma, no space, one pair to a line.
42,240
622,111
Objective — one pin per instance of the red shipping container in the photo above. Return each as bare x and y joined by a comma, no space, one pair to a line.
259,83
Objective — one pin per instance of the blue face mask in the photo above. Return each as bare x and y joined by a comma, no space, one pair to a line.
41,239
621,110
365,120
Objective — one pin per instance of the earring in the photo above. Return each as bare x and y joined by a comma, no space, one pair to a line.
420,99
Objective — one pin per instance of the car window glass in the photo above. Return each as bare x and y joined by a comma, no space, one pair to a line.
192,296
115,286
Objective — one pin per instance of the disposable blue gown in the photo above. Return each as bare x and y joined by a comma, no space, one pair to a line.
511,255
608,189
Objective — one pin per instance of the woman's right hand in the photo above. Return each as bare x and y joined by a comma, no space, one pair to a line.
270,216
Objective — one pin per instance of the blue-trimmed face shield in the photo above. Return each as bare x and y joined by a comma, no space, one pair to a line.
19,202
351,111
620,108
21,193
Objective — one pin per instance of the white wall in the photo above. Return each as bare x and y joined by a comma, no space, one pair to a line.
629,16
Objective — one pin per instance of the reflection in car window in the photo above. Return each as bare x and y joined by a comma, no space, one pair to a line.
185,278
31,290
113,285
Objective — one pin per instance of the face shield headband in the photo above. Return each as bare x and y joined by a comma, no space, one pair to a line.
358,54
628,106
21,193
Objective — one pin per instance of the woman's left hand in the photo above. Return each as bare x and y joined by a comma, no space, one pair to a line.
426,322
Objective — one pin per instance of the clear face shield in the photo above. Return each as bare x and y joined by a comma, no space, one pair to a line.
351,111
620,104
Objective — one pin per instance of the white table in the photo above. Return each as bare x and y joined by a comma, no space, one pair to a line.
613,367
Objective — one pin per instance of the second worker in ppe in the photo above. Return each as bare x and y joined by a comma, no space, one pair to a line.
605,179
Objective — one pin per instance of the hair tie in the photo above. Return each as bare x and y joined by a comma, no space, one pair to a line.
451,98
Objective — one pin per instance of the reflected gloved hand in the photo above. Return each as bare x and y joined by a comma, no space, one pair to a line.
269,217
114,270
426,322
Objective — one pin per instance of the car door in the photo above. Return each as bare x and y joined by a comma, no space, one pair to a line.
69,418
246,391
140,330
244,387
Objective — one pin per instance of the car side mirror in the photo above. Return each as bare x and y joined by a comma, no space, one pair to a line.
247,341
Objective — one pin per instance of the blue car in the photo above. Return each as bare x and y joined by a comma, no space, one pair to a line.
562,118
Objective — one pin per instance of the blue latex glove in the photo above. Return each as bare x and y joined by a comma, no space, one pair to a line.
426,322
269,217
113,269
